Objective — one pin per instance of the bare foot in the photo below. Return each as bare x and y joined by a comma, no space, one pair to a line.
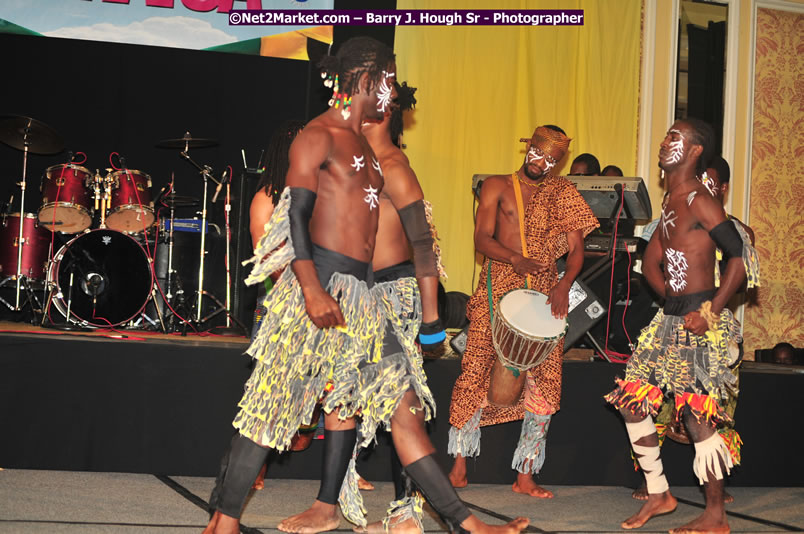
641,493
408,526
476,526
524,484
728,498
364,484
457,475
259,483
222,524
706,523
320,517
657,504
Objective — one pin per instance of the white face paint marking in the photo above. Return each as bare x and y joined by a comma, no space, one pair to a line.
709,184
358,163
691,197
384,94
371,198
676,148
668,219
677,269
535,155
376,165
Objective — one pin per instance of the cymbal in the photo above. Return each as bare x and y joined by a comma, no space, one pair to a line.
176,201
186,141
17,131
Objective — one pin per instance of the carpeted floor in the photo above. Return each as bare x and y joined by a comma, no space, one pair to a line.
82,502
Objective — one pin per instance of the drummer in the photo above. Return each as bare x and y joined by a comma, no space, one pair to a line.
556,220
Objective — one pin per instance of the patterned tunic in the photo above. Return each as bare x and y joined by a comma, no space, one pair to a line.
555,210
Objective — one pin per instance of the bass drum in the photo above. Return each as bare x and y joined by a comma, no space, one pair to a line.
111,278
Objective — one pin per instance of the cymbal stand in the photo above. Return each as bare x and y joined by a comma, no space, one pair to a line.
20,239
206,173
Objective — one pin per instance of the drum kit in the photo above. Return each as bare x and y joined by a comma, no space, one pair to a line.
103,276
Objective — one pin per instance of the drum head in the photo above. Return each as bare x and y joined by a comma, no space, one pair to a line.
527,311
111,277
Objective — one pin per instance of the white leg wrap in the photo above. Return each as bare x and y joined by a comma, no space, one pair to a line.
648,457
709,454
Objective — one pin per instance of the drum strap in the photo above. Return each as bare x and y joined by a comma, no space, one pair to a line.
521,212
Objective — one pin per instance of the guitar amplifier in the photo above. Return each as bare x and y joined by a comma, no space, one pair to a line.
585,309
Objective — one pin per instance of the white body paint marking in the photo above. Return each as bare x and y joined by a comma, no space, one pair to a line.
709,184
371,198
691,197
677,269
358,163
376,165
668,219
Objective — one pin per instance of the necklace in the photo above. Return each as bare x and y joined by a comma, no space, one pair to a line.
523,182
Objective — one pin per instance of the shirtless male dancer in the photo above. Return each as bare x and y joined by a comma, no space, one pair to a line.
326,345
716,180
405,225
685,347
316,332
517,247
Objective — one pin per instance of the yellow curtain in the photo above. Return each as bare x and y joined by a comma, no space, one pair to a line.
481,88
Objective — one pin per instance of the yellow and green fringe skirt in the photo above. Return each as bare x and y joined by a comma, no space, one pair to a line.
383,383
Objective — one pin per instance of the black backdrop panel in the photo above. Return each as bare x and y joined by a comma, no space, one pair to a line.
105,405
107,97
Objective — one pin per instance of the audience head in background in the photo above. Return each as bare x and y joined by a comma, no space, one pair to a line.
611,170
585,165
272,181
783,353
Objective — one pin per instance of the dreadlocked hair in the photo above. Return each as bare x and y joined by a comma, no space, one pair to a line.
355,57
405,100
704,136
278,161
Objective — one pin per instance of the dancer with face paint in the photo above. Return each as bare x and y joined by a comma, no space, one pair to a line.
406,225
684,350
554,222
716,180
318,332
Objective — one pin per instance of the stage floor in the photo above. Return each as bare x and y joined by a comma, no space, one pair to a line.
88,503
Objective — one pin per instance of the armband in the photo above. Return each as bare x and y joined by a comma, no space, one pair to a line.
727,239
419,233
300,212
431,335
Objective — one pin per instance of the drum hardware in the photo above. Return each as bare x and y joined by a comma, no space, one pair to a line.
34,137
205,171
227,329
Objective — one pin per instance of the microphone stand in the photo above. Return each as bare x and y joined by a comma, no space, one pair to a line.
206,173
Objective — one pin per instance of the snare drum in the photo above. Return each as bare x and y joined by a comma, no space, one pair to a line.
103,276
34,249
131,209
524,333
66,202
